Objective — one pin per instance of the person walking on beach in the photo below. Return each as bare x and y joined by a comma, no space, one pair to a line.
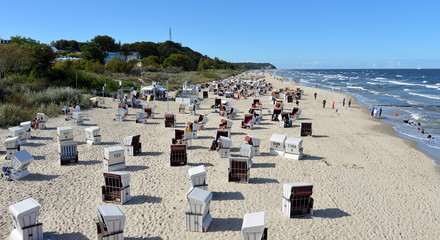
349,102
333,105
343,102
380,112
315,95
372,112
323,103
375,112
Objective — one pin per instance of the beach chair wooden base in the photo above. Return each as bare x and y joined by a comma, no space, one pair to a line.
293,156
17,175
42,125
204,187
113,167
119,118
132,150
276,152
77,122
95,141
67,161
224,152
115,194
256,151
197,223
104,235
298,207
29,233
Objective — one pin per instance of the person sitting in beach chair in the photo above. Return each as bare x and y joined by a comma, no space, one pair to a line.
248,121
201,121
276,112
284,120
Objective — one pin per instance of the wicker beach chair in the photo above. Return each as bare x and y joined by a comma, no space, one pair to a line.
178,156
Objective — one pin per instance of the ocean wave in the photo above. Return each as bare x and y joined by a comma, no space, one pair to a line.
405,84
406,90
425,95
356,87
373,83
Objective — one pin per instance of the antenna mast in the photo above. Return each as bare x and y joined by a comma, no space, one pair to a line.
170,34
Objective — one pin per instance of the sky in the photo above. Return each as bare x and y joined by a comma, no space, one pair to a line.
290,34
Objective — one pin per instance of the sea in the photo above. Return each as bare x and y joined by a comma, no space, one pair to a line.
414,94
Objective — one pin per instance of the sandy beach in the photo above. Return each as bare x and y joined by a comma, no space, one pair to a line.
368,183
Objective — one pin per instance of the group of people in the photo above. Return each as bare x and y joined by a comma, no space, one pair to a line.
376,113
333,105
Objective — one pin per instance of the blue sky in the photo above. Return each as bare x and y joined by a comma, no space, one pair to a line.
288,34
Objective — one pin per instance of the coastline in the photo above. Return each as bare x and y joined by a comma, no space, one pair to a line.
368,184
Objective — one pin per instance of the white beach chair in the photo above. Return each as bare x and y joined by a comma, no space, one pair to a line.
297,200
44,120
255,142
197,176
140,118
225,145
254,226
277,142
19,163
132,145
19,132
92,135
68,152
246,150
64,133
24,216
198,219
293,148
12,145
110,223
27,126
114,158
116,187
78,118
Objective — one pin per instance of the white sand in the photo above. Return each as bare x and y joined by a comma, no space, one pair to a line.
368,184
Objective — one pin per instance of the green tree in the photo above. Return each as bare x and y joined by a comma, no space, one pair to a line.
106,43
151,60
67,44
23,40
178,60
92,52
42,60
145,49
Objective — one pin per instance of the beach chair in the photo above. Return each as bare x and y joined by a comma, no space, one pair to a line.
238,170
182,108
225,145
289,98
123,105
217,102
277,143
148,112
140,118
225,124
64,133
178,156
170,120
92,135
19,132
192,109
24,216
78,118
19,163
246,150
110,223
256,102
197,175
122,113
198,219
224,133
116,187
306,129
248,121
12,145
297,200
276,113
27,127
295,113
68,152
254,226
192,130
255,142
293,148
201,121
284,120
132,145
205,94
114,158
298,94
42,120
181,137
